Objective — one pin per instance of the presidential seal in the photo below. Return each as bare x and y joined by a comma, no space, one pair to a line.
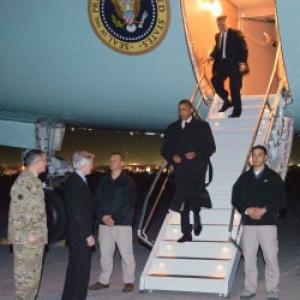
130,26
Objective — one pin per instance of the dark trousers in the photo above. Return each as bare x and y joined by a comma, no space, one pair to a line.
186,227
78,271
220,74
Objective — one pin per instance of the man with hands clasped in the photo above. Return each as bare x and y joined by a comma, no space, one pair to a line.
259,195
115,198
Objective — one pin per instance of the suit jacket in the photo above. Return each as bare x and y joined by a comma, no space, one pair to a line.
79,208
236,49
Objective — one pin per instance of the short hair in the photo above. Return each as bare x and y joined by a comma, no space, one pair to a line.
80,158
29,157
117,153
222,18
186,102
260,147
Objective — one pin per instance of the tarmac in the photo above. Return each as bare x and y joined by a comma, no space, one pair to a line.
57,256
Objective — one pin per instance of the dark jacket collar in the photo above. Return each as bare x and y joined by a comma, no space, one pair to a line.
264,173
192,121
229,31
119,178
75,174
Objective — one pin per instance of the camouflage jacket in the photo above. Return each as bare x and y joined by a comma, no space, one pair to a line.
27,213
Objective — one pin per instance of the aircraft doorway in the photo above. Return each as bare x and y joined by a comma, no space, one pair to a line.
257,20
260,33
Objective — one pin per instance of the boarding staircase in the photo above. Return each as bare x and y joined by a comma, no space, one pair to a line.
208,264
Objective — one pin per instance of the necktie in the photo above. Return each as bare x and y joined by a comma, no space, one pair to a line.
221,41
223,46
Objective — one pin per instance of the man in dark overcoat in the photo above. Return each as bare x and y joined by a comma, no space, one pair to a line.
188,145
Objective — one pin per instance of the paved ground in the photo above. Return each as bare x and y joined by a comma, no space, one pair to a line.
56,259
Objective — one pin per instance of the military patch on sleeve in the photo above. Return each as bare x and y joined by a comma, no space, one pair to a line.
130,26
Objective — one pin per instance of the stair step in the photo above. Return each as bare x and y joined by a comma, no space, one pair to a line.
186,267
228,141
230,157
216,185
248,112
227,170
209,233
230,179
208,217
187,276
191,257
235,125
218,193
228,163
234,139
234,150
251,98
204,250
188,284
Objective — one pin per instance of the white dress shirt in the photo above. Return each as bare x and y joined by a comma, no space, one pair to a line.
183,122
82,177
224,43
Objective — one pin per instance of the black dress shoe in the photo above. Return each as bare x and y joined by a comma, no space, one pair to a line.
128,288
98,286
234,115
197,225
185,238
225,106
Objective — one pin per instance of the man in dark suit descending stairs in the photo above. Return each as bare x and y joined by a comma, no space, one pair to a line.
230,56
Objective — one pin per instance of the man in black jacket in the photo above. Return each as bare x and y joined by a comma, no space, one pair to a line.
259,195
79,206
188,145
230,56
115,202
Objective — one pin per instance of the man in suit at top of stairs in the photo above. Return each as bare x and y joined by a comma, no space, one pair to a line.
230,56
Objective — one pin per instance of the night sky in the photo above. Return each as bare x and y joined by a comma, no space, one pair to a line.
136,148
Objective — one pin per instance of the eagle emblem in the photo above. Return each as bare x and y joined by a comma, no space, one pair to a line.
128,11
130,26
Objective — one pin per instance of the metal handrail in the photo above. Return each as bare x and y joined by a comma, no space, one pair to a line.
198,87
266,104
140,231
273,112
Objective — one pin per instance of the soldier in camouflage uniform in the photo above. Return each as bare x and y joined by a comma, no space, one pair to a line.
27,227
